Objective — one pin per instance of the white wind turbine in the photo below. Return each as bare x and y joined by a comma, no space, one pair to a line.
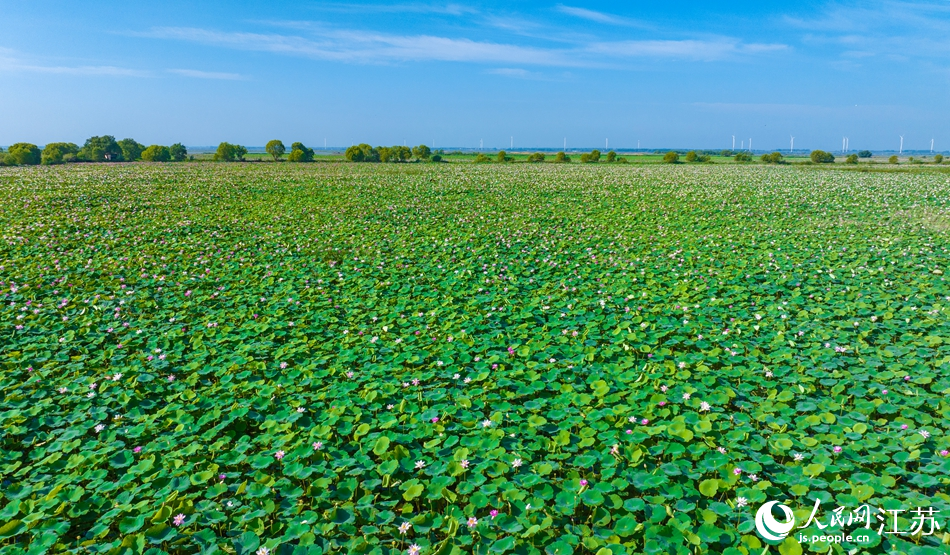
792,146
931,146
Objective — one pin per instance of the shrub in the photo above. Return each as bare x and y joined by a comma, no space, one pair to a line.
611,156
773,158
691,156
671,158
421,152
156,153
593,157
743,157
481,158
852,159
361,153
561,158
436,158
892,160
938,158
57,153
300,153
502,156
25,154
536,157
865,154
822,157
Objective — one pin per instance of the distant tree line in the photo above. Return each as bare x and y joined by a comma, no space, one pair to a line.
366,153
95,149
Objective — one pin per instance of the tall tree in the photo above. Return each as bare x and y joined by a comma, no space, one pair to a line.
178,152
131,149
421,152
275,148
101,149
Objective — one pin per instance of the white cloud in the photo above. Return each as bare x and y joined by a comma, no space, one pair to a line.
704,50
599,17
369,47
207,74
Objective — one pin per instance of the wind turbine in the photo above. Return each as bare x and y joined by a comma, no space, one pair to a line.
792,147
931,146
901,151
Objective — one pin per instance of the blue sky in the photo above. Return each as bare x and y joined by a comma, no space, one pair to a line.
686,74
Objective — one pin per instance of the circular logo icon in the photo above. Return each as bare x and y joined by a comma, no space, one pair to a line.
768,527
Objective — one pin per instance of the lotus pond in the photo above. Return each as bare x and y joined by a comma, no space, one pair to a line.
332,358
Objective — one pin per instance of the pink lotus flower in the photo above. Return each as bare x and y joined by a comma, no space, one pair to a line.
279,455
179,519
493,513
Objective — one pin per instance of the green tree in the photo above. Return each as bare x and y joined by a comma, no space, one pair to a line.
774,158
275,148
892,160
822,157
178,152
691,156
362,153
156,153
938,158
436,157
611,156
400,153
300,153
57,153
594,156
852,159
536,157
421,152
727,153
101,149
502,156
562,158
240,152
131,149
671,158
226,152
865,154
25,154
742,157
482,159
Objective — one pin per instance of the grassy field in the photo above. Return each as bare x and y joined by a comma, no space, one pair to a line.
341,358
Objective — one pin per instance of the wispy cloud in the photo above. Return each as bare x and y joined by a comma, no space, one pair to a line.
207,74
891,29
370,47
703,50
600,17
411,7
10,63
